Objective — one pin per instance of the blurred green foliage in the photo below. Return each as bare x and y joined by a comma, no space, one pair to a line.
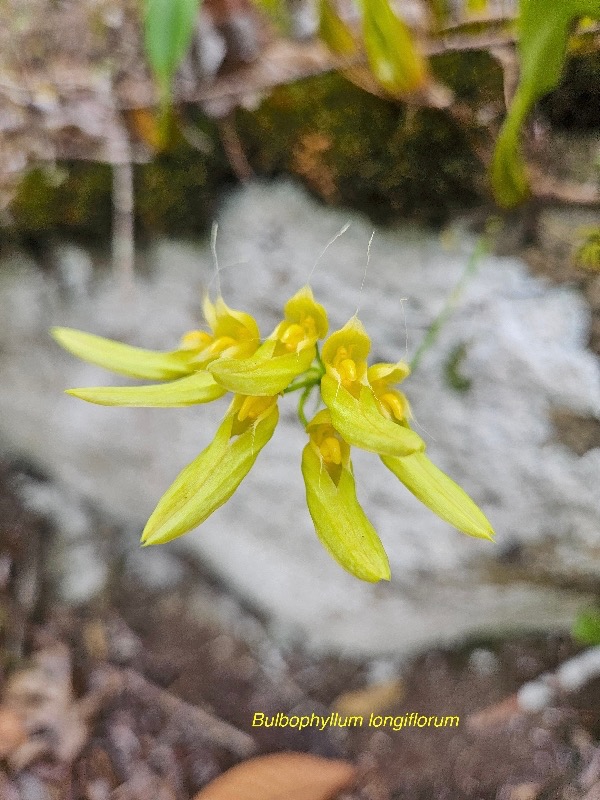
352,147
544,30
586,628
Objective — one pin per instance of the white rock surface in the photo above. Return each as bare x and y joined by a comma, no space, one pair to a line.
525,354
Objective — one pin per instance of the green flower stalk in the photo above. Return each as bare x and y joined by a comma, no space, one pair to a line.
363,408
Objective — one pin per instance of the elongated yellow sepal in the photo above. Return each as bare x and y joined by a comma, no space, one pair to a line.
125,359
440,493
263,374
340,522
200,387
211,479
362,424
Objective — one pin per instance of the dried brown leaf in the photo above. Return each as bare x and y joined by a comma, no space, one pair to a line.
282,776
495,716
12,731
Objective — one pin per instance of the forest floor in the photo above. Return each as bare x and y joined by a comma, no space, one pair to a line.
137,698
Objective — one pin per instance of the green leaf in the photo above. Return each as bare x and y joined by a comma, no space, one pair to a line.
169,27
440,494
211,479
440,11
135,362
334,31
261,375
586,628
362,424
340,522
200,387
391,51
545,26
477,6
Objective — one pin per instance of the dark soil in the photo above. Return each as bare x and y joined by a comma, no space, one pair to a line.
139,697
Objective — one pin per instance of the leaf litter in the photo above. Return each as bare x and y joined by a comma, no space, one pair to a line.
146,695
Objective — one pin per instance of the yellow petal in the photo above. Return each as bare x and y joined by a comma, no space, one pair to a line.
200,387
361,422
336,34
303,306
440,493
123,358
353,339
388,374
263,373
229,322
340,522
211,479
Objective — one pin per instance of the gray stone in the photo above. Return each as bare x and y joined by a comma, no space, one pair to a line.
524,345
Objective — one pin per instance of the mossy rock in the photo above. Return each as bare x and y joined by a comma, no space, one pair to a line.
575,104
71,197
175,194
350,147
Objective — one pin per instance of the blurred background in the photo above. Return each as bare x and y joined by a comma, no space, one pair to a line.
463,138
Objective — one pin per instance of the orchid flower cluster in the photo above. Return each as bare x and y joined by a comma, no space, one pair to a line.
362,408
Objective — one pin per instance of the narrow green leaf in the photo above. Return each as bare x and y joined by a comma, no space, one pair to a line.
334,31
544,26
391,51
200,387
440,494
261,375
135,362
211,479
340,522
362,424
169,27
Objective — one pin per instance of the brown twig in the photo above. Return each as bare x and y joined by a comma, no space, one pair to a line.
233,149
206,726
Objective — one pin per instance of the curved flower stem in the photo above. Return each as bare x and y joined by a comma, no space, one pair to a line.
302,402
307,383
480,250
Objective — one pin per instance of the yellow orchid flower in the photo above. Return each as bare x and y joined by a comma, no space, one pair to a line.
339,520
288,352
211,479
363,409
355,410
392,402
233,333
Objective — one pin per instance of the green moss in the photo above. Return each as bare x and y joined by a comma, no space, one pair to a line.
174,194
474,76
350,147
575,104
74,198
354,148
